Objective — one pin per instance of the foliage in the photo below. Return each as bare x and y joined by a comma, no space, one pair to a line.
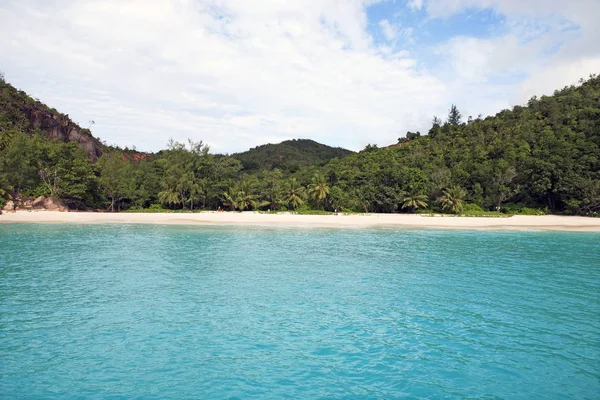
544,155
318,189
485,214
472,208
57,169
414,201
454,116
243,196
540,158
304,209
289,156
453,199
4,194
20,113
294,194
522,210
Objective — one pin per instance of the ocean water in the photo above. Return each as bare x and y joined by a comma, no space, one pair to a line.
147,312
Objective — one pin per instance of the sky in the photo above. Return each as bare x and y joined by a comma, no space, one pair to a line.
238,73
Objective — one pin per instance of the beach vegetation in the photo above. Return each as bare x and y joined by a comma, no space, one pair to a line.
539,158
471,207
414,201
305,209
521,210
453,199
294,194
318,189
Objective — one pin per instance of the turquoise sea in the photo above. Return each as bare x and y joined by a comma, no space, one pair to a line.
149,312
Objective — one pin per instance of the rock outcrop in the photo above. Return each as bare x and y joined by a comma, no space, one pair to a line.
25,114
53,204
61,127
9,205
47,203
38,202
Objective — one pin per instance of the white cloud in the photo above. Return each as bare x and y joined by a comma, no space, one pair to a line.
480,60
415,4
551,43
393,33
238,73
564,74
389,31
233,73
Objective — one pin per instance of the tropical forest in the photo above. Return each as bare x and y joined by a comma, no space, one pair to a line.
542,157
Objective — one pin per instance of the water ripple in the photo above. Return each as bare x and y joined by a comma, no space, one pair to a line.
188,312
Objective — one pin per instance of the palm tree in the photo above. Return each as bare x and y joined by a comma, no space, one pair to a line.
231,198
318,188
247,200
247,195
453,199
4,195
272,191
414,201
169,197
294,194
241,196
195,191
272,195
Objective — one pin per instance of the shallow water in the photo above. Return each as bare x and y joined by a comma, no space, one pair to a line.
207,312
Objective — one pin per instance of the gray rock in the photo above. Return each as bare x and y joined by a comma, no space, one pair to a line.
9,205
53,204
63,129
39,202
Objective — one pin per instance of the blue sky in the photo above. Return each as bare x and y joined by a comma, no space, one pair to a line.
477,22
238,74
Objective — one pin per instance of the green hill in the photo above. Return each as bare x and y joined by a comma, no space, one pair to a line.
19,112
544,155
289,155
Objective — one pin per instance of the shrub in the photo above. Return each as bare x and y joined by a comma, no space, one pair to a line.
520,209
472,207
306,210
486,214
531,211
313,212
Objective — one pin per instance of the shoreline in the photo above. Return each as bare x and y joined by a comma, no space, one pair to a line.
250,218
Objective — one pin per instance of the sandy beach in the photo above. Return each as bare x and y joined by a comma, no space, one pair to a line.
520,222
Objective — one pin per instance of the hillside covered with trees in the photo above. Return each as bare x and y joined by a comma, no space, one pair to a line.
289,156
536,158
20,113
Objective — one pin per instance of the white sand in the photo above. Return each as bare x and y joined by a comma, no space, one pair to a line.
547,222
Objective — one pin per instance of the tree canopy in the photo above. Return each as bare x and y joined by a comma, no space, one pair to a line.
289,156
543,156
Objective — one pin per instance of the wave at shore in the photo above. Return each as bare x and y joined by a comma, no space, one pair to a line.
517,222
